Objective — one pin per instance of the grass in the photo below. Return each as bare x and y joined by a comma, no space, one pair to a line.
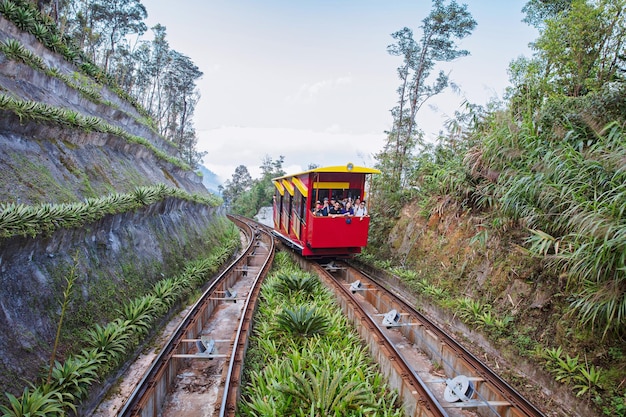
476,288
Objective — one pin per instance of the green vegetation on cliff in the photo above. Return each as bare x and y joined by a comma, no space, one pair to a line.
526,196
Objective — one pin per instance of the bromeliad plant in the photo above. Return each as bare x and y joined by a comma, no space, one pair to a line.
291,371
585,379
23,220
14,50
34,110
109,344
302,322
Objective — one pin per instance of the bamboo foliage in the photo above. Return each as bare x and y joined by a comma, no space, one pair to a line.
23,220
574,203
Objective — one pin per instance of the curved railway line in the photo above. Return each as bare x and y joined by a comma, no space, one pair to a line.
198,373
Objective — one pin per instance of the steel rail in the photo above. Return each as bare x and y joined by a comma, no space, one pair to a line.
522,406
425,403
147,397
232,387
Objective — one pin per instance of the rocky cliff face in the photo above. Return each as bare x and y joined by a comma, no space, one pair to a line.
48,162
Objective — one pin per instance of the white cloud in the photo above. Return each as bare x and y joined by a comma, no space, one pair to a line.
229,147
308,92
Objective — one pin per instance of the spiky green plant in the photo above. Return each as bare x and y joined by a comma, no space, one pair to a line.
33,403
587,380
24,19
166,291
302,322
327,393
566,369
469,309
73,377
111,339
273,361
19,219
36,110
139,313
296,282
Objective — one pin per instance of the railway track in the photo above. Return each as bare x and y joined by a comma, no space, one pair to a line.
398,335
198,372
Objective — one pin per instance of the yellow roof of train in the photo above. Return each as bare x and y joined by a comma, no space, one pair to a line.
337,168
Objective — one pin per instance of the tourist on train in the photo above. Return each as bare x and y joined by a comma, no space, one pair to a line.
326,206
336,209
320,210
360,210
348,210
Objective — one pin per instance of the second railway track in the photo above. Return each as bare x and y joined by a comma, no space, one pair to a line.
396,334
208,347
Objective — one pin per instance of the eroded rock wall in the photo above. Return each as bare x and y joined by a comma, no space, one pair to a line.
115,258
33,272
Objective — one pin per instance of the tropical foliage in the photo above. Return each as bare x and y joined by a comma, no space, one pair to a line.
545,168
445,25
246,196
22,220
109,345
40,111
317,373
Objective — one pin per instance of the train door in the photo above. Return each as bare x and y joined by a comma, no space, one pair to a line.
303,212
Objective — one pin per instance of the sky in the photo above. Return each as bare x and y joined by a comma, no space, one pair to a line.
312,80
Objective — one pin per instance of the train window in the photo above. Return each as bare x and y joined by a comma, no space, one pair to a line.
337,194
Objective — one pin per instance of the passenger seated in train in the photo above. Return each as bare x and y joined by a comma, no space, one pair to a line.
360,208
348,209
336,209
320,210
326,206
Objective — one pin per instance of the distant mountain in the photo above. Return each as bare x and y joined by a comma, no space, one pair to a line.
210,179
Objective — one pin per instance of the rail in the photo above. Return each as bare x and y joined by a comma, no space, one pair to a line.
149,396
470,384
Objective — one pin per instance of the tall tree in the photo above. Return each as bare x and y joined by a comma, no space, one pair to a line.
240,182
538,11
181,96
270,168
115,19
585,47
162,80
444,25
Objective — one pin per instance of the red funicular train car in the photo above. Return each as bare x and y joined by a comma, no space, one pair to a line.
320,236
